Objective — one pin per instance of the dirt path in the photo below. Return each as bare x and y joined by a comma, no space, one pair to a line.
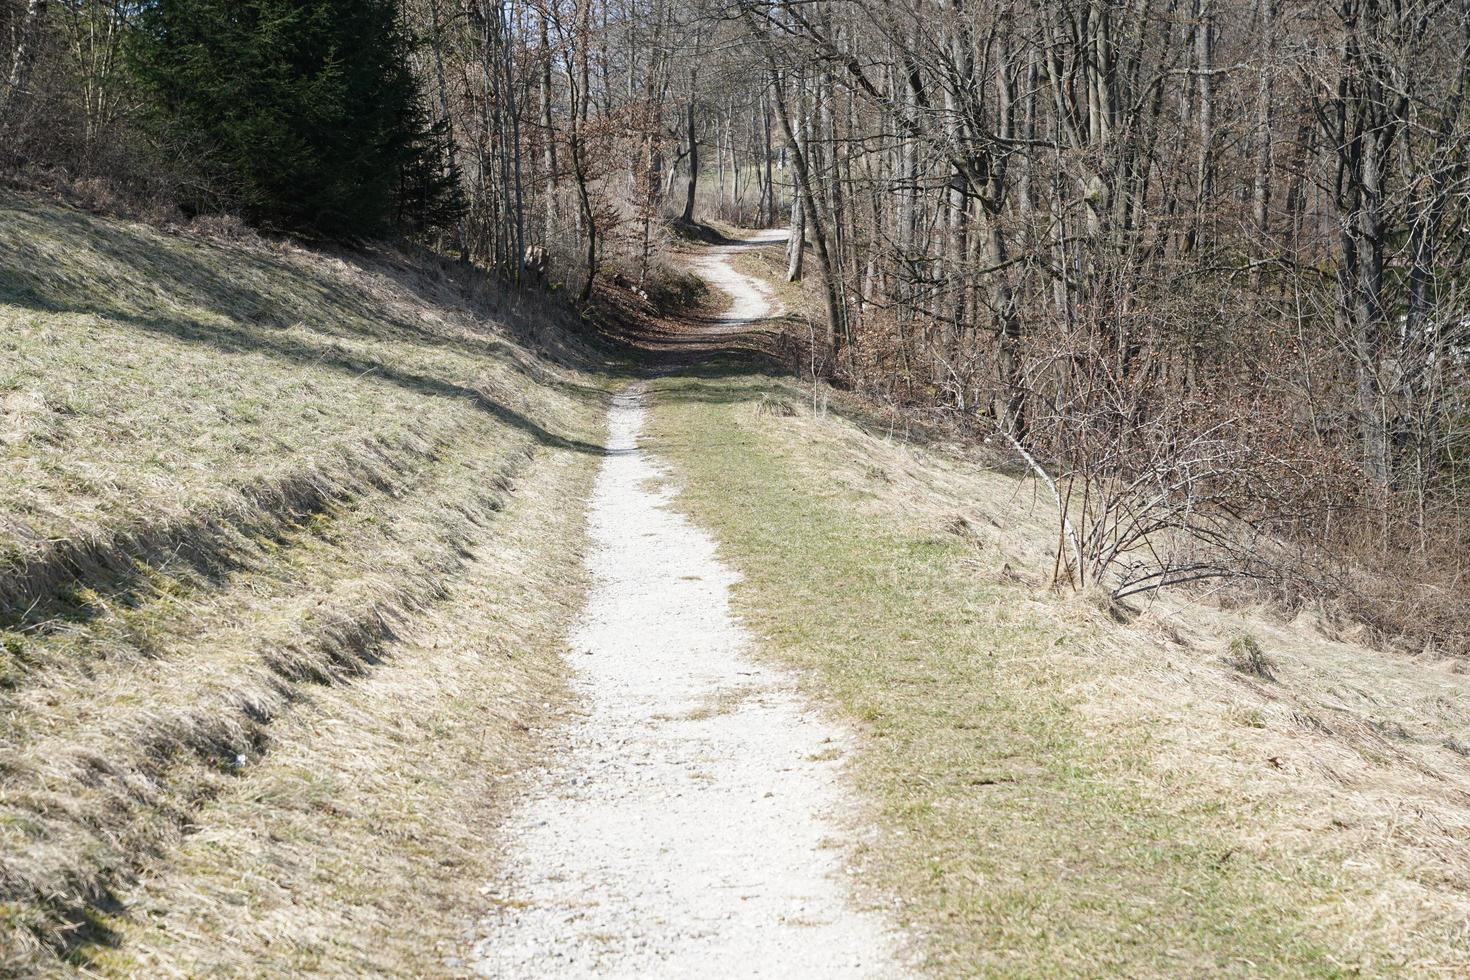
691,824
752,300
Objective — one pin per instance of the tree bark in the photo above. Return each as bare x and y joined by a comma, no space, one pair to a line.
692,185
814,217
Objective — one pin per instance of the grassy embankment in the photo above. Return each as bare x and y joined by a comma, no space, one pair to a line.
1059,793
276,527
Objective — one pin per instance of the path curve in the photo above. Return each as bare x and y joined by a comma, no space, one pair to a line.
691,822
751,299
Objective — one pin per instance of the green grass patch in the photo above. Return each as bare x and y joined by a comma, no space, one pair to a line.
1016,838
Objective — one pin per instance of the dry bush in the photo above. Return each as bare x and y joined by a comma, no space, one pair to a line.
1412,592
1246,656
668,287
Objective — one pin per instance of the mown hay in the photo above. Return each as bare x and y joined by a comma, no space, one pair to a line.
237,474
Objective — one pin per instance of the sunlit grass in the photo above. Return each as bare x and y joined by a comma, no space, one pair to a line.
1015,840
260,599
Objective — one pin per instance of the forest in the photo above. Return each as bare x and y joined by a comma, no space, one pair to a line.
1199,264
729,488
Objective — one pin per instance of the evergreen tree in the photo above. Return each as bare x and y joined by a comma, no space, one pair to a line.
302,114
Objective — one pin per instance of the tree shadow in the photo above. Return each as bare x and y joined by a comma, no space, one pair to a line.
137,266
283,347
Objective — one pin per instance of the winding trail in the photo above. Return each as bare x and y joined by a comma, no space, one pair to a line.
751,299
692,821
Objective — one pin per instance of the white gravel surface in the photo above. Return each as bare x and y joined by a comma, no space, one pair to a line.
751,299
692,823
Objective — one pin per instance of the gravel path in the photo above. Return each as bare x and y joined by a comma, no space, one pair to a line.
691,824
751,299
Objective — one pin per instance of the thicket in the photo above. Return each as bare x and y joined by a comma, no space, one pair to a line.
302,115
299,115
1204,263
550,141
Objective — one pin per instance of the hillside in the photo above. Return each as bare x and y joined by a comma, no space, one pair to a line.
1196,790
286,541
345,635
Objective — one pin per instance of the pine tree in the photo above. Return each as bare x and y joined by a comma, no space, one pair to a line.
301,114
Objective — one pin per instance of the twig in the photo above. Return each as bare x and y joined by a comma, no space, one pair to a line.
1051,485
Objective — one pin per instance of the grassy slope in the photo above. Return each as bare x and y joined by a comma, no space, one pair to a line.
264,560
1059,793
360,845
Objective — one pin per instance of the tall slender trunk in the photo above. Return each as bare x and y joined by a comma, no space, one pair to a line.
575,64
692,186
812,212
12,99
548,133
1204,55
720,167
796,242
436,46
1261,178
517,198
769,218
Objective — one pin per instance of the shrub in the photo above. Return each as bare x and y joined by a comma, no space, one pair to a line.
1247,657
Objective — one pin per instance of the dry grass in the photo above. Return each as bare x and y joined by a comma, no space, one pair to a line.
240,479
796,336
359,846
144,374
1062,792
800,300
1247,656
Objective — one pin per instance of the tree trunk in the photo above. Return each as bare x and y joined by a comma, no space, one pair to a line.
12,100
436,46
1204,54
769,218
796,241
693,183
548,133
1261,179
814,218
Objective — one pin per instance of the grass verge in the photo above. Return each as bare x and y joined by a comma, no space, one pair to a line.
1048,802
260,595
358,848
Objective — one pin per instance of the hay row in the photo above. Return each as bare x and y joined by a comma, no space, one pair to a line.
43,584
87,806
